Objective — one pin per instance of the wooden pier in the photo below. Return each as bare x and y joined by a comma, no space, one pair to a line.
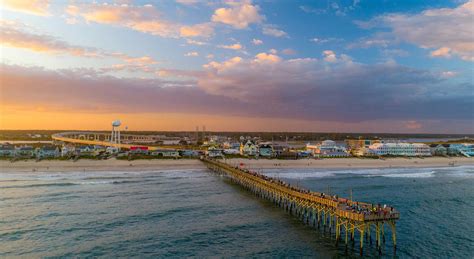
342,216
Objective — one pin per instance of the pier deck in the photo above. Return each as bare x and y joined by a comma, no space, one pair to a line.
317,209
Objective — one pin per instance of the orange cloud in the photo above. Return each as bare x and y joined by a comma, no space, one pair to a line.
235,46
199,30
146,19
35,7
238,15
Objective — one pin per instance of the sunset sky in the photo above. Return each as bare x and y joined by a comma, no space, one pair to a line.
344,66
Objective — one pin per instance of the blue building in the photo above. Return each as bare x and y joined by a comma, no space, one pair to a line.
265,150
464,149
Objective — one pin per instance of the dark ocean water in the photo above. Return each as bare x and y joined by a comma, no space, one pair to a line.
195,213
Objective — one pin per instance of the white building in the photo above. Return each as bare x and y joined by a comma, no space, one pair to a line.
327,148
399,149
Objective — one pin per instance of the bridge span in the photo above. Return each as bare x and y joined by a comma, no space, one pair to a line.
105,139
339,215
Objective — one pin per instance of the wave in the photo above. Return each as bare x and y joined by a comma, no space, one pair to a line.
38,185
412,175
461,171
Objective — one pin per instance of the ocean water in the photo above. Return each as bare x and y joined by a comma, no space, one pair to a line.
195,213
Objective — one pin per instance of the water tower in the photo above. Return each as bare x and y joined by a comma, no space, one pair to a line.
115,137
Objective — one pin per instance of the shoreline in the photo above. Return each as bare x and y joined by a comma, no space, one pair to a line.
187,164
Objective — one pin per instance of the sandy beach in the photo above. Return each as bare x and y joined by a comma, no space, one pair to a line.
137,165
99,165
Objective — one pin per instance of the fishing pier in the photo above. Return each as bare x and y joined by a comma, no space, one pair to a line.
342,216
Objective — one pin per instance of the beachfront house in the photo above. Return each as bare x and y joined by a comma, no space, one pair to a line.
139,150
189,153
249,148
165,153
112,150
25,152
231,151
464,149
265,150
439,149
48,152
357,147
400,149
7,150
85,150
214,152
68,150
327,148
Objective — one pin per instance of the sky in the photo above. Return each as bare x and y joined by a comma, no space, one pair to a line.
401,66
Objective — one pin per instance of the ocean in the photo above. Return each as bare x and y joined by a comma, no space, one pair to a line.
195,213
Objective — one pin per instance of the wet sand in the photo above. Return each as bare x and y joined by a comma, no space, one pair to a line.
340,163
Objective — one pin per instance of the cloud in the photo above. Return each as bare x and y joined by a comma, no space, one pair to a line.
369,43
267,58
329,56
191,54
140,18
441,52
273,30
413,125
18,35
257,42
300,89
289,52
238,15
35,7
448,31
187,2
196,42
235,46
205,30
21,36
449,74
146,19
313,89
309,9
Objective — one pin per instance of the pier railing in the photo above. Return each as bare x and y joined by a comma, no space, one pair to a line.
317,208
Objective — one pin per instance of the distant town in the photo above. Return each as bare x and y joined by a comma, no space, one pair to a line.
18,145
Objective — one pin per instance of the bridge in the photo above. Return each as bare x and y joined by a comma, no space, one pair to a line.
105,139
317,209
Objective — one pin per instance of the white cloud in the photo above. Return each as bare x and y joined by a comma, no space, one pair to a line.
446,31
329,56
448,74
257,42
191,54
272,30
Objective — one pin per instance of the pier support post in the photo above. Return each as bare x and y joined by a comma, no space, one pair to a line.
394,236
346,230
383,232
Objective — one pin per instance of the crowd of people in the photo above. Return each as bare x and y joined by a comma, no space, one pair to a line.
343,203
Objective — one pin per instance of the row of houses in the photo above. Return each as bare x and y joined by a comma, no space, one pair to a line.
29,151
463,149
